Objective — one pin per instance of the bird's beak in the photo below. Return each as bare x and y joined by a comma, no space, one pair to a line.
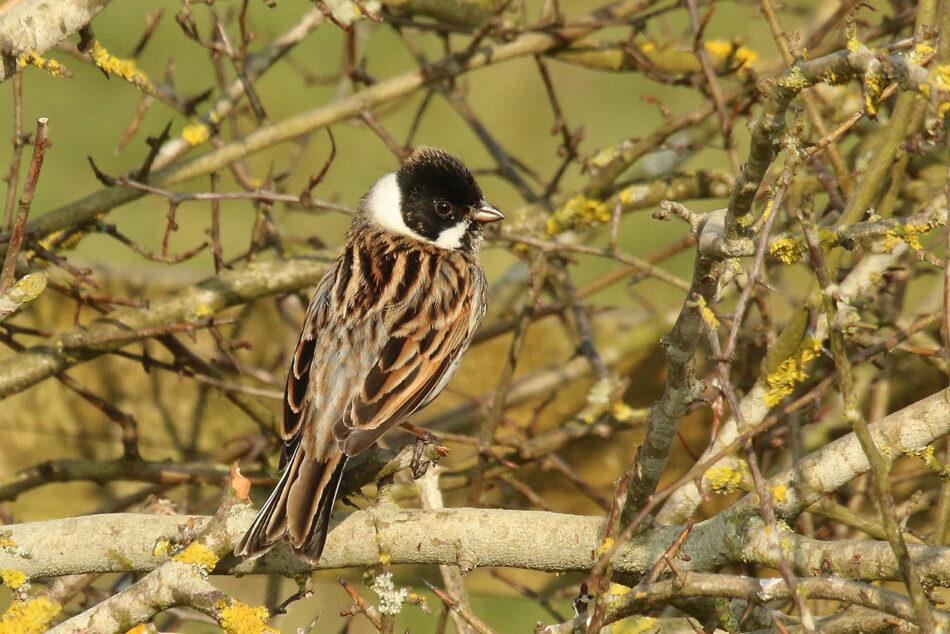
486,212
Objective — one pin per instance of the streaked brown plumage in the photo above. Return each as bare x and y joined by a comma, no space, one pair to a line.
385,331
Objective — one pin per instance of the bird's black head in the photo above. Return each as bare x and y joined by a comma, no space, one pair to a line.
436,199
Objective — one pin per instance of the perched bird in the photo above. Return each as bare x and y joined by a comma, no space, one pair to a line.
385,331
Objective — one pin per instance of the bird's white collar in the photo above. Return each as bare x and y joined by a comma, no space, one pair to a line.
384,207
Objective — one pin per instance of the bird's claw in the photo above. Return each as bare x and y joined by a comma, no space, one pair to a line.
418,465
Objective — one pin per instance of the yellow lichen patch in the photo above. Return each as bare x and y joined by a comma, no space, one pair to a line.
634,194
29,616
623,412
891,240
12,578
909,233
873,85
605,157
927,455
52,241
724,57
793,79
723,479
940,76
634,625
779,493
578,213
124,68
203,310
51,66
240,618
854,44
788,250
199,556
196,133
730,51
603,548
6,542
834,79
708,315
790,372
618,589
161,548
30,286
385,558
827,238
919,53
138,629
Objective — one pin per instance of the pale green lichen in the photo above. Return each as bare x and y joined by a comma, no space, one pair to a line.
390,598
634,194
793,79
927,454
788,250
577,214
634,625
745,220
723,478
874,83
605,157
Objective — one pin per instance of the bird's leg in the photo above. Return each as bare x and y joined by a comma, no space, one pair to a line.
423,437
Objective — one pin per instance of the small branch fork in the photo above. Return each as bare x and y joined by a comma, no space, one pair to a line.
40,143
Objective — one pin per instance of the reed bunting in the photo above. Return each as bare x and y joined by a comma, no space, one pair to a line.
385,331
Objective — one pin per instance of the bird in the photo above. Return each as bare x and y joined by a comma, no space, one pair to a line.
384,333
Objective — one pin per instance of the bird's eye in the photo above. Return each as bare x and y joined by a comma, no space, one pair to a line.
443,208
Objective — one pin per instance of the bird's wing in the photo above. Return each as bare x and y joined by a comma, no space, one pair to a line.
298,396
424,345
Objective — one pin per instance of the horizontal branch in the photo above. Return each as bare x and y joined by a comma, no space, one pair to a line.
35,26
24,290
87,209
491,537
230,288
755,591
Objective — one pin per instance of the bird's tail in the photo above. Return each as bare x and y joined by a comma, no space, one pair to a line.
298,510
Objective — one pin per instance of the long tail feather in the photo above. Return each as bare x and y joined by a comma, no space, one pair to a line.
298,510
